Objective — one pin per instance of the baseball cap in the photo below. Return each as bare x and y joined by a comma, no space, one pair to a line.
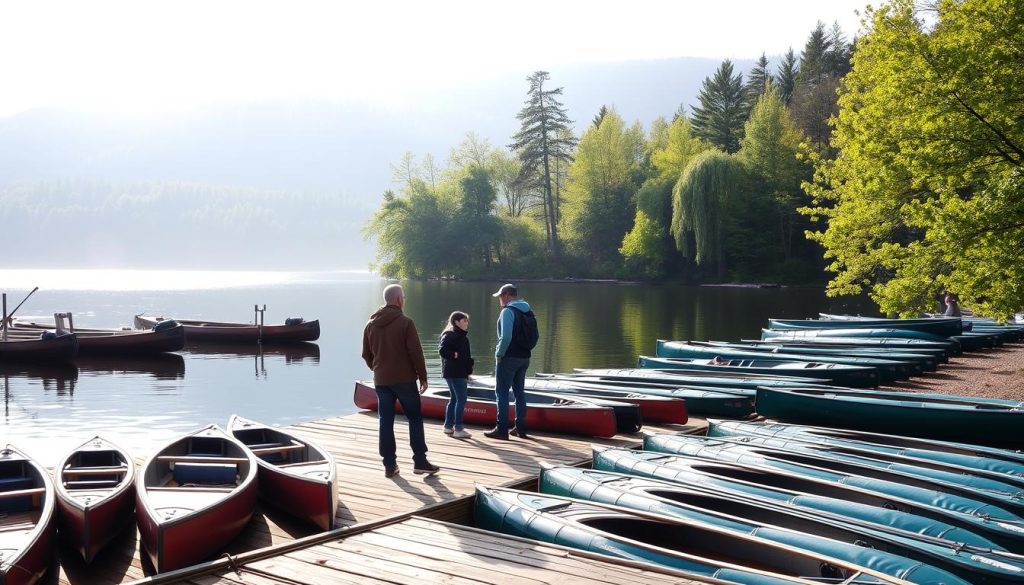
507,289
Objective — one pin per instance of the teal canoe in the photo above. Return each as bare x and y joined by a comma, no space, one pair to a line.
992,520
847,504
973,460
676,377
841,374
940,327
938,355
886,369
918,362
863,335
899,556
991,422
696,549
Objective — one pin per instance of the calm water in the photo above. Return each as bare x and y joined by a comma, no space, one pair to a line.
141,403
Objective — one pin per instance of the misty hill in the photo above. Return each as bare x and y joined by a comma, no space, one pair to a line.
274,184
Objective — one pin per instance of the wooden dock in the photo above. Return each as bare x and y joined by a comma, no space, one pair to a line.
406,526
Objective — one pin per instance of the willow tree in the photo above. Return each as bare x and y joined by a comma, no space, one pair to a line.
700,205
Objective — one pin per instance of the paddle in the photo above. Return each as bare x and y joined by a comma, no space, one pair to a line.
11,314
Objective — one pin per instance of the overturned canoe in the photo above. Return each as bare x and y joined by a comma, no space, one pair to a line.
941,327
95,495
546,412
197,330
841,374
27,527
295,474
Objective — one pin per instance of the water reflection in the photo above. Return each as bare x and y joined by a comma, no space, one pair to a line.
163,366
291,352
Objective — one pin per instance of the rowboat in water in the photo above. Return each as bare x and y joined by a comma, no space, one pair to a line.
295,474
169,336
40,348
697,549
997,523
27,527
956,418
935,454
942,327
841,374
95,495
546,412
193,497
296,329
899,556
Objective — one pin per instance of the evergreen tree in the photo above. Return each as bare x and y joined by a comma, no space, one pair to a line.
837,59
723,109
815,60
543,139
600,116
788,71
758,81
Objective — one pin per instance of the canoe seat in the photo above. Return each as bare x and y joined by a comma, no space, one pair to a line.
22,499
88,484
276,452
205,473
77,472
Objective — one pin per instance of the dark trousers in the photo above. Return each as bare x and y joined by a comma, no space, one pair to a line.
456,404
510,372
409,397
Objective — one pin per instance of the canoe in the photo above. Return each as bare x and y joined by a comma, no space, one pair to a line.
27,527
197,330
795,339
846,504
863,336
545,412
62,348
694,377
115,341
941,327
628,417
919,362
697,400
95,495
295,474
661,409
996,423
899,556
996,523
841,374
931,356
973,460
886,370
697,549
193,497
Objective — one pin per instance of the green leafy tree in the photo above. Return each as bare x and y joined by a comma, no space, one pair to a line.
701,203
926,192
648,247
723,109
543,140
788,71
680,146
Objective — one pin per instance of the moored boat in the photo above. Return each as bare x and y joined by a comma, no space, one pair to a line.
40,348
546,412
956,418
295,474
193,497
27,526
170,337
198,330
842,374
95,486
698,549
919,361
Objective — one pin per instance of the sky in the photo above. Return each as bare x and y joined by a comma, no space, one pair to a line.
140,55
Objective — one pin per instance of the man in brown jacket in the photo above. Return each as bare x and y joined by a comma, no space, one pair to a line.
391,348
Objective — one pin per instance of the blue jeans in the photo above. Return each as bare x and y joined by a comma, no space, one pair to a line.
456,404
408,395
510,372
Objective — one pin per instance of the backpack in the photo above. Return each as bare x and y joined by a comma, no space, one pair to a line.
525,333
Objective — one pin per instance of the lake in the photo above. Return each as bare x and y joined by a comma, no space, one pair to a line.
142,403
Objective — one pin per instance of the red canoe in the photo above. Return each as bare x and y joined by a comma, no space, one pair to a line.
295,474
193,497
219,331
95,495
26,518
545,412
62,348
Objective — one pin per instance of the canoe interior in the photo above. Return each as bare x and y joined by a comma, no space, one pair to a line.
192,474
89,476
22,498
284,450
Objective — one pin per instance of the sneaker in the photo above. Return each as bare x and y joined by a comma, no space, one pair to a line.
390,472
449,431
496,433
425,467
461,434
517,433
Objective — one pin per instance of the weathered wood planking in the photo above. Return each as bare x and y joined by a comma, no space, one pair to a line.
365,495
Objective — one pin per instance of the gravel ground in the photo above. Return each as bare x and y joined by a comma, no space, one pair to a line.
991,373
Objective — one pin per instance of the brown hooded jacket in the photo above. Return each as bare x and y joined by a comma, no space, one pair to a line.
391,348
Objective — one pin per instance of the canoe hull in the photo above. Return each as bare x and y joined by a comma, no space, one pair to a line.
33,557
62,349
588,421
196,331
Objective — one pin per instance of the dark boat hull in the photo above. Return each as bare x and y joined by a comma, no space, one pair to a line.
196,331
29,562
64,348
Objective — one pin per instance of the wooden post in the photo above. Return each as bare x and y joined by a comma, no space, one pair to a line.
258,320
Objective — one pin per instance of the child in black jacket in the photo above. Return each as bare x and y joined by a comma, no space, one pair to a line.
456,367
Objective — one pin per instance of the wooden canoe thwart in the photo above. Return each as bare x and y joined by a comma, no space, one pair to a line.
194,496
197,330
27,527
95,495
545,412
295,474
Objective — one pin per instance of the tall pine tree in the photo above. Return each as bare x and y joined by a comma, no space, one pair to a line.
758,81
723,109
788,71
544,139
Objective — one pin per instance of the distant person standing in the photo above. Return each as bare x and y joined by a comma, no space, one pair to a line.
517,336
391,348
952,305
456,368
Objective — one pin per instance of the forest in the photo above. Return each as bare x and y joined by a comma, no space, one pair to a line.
890,164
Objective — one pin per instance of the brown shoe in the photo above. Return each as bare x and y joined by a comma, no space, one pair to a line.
496,433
